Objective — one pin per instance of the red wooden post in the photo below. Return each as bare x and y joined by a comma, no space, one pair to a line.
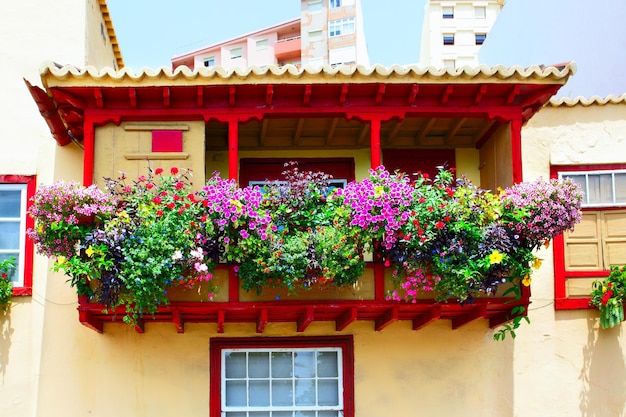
375,142
88,148
516,150
233,149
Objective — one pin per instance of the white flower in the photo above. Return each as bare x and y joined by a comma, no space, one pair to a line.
198,253
178,255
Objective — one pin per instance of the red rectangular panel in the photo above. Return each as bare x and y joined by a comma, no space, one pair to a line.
167,141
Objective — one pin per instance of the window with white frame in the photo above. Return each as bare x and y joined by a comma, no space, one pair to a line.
262,44
282,377
236,52
447,12
602,188
448,38
480,12
479,38
315,6
341,27
316,35
14,221
335,4
209,61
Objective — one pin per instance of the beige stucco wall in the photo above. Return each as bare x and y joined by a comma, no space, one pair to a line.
564,364
98,49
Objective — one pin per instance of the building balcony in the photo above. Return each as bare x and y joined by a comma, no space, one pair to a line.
289,48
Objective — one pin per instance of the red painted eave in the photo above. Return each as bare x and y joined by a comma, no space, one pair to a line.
49,112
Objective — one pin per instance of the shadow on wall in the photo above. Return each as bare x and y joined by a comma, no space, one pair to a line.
6,331
603,374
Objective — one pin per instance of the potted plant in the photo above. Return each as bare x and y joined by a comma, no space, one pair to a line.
305,239
608,296
6,288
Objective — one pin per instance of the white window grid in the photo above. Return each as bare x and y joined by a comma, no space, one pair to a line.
209,61
341,27
447,12
236,52
480,12
262,44
335,4
293,410
614,180
7,227
315,6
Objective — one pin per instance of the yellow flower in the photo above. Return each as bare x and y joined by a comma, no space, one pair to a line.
379,190
495,257
537,263
237,204
526,281
61,260
90,251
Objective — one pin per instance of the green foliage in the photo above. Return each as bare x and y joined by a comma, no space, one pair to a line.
6,288
608,296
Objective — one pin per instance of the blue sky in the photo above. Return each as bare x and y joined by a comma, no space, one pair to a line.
151,32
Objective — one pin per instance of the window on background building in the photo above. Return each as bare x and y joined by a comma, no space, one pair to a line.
315,6
209,61
282,377
335,4
316,35
15,192
315,62
449,63
480,12
236,52
447,12
480,38
341,27
448,39
262,44
599,240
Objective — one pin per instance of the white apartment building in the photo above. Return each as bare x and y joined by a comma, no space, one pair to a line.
453,31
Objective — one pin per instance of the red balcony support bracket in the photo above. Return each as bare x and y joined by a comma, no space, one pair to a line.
389,317
427,318
140,326
261,321
88,320
473,314
306,319
177,319
221,317
345,319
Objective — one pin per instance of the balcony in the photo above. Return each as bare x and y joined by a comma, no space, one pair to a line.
289,48
364,301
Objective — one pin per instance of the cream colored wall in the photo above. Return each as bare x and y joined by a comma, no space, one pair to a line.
398,371
564,364
33,32
98,49
127,148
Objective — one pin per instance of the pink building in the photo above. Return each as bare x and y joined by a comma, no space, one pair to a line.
328,32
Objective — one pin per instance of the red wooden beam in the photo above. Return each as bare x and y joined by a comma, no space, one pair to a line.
479,95
140,326
433,314
132,95
380,93
231,96
177,319
269,93
306,319
97,92
87,319
375,143
516,150
446,95
306,100
512,94
343,94
413,94
386,319
220,321
89,151
200,96
166,97
345,319
261,321
474,313
233,149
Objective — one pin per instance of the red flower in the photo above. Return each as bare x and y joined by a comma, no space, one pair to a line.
174,170
159,213
422,200
446,219
430,208
4,275
179,185
157,200
171,206
440,225
158,171
149,186
203,218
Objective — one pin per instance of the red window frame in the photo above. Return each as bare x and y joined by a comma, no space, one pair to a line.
30,181
561,301
345,343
